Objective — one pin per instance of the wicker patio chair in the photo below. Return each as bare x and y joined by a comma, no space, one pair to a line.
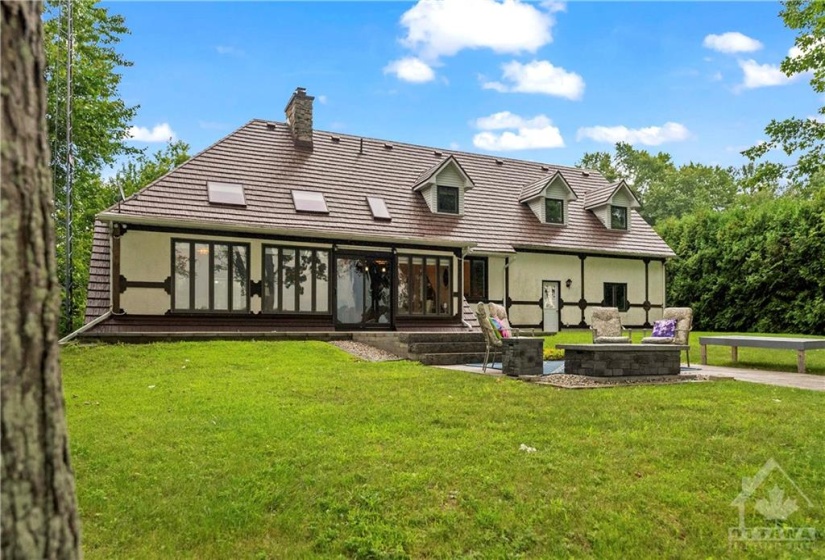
606,326
492,339
684,324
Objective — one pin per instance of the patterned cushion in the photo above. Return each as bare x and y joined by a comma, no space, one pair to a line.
612,340
496,327
657,340
501,328
665,328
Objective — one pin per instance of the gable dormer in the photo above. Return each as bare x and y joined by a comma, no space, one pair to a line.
443,187
549,199
612,205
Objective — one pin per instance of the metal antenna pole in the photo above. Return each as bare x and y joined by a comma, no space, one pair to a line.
69,164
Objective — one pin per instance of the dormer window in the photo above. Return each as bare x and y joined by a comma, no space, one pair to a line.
611,204
549,198
618,217
554,211
443,187
447,199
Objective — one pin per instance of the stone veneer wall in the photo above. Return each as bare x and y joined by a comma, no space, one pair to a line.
522,356
610,361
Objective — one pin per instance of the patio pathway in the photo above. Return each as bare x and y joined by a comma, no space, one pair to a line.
778,378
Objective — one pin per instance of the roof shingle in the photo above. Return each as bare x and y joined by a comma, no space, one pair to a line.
264,159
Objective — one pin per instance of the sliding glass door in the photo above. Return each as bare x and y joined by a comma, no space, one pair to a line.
363,293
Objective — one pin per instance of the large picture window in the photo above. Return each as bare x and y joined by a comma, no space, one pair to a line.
615,295
425,285
210,276
475,279
295,280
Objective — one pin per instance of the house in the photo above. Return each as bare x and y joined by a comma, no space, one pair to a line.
279,226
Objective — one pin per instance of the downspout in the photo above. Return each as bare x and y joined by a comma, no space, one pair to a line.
85,328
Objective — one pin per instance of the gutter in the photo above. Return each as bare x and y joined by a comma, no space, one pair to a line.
85,328
294,231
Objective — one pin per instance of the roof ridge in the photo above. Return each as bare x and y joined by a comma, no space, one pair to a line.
444,151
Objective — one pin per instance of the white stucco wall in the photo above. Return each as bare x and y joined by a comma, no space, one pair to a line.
529,270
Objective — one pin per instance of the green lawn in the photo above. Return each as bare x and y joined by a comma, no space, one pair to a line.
753,358
298,450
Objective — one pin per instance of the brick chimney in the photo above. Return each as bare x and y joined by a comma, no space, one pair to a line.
299,116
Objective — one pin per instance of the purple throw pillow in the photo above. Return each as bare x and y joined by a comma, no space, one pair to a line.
666,328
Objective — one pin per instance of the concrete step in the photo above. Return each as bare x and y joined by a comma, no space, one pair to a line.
412,337
446,347
449,359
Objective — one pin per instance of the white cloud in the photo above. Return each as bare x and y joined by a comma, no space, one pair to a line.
762,75
817,118
437,28
649,136
159,133
229,50
717,77
794,52
553,6
410,69
731,42
322,99
534,133
539,76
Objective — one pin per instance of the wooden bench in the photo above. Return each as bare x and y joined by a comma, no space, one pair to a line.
798,344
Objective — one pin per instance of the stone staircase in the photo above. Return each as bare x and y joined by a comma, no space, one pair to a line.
431,348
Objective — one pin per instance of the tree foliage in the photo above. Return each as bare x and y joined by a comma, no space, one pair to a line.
755,268
100,122
664,189
801,137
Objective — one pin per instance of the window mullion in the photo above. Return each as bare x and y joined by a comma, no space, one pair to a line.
191,276
211,273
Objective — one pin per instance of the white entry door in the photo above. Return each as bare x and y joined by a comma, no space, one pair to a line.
550,305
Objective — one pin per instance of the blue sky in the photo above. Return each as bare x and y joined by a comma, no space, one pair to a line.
538,81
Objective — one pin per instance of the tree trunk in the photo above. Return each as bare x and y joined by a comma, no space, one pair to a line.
39,511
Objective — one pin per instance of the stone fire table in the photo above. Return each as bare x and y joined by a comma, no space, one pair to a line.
618,360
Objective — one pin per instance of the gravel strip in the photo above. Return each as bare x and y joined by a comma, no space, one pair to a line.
365,351
569,381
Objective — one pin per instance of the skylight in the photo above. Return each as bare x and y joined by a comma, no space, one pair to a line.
306,201
226,193
379,208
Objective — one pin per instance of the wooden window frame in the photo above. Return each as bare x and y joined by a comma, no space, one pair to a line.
486,287
407,258
445,189
612,289
211,279
280,281
626,217
560,202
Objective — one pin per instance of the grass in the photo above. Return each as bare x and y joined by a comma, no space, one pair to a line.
298,450
752,358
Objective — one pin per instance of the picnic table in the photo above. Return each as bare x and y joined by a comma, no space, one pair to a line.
780,343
